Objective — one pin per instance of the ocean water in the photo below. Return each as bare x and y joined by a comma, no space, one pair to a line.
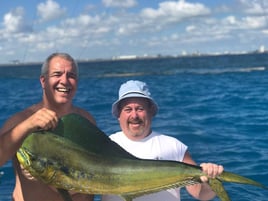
217,105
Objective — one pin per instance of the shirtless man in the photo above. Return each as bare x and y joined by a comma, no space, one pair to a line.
59,77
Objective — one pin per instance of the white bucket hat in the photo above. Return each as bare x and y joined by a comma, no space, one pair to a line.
130,89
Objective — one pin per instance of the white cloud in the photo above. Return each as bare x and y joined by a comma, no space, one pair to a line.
86,26
244,23
175,11
45,46
119,3
82,21
265,31
190,28
254,7
167,15
254,22
230,20
14,21
50,10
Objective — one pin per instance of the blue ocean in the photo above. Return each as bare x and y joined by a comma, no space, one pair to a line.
217,105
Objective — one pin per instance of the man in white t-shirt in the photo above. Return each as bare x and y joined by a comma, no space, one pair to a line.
135,109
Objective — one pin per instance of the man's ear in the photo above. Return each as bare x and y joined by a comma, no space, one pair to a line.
42,81
151,108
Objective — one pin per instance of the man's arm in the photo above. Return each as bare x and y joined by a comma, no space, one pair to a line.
203,191
16,129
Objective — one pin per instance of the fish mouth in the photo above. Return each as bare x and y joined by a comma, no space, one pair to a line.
23,157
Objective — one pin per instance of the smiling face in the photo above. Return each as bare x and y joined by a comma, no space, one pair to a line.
135,117
59,83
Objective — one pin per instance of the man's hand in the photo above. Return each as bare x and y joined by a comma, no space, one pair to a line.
211,170
43,119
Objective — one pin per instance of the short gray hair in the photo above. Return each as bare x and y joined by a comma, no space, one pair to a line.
45,66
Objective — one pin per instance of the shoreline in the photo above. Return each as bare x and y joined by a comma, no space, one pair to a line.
132,58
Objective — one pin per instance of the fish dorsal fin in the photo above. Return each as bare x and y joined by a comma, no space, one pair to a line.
218,188
82,132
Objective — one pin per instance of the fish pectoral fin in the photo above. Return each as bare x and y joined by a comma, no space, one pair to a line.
65,194
127,197
218,188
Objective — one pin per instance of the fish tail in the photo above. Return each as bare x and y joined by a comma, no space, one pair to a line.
235,178
218,188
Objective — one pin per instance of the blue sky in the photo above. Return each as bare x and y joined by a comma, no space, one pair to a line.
111,28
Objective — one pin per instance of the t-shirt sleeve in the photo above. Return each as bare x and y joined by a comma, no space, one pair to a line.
181,150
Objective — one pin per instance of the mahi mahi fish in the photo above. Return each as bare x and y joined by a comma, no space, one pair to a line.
78,156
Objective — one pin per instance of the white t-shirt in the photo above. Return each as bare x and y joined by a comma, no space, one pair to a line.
155,146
